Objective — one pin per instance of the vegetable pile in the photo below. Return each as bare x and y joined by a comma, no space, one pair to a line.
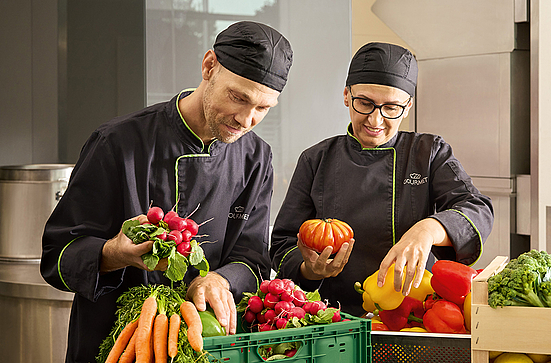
441,303
320,233
280,304
525,281
172,238
149,325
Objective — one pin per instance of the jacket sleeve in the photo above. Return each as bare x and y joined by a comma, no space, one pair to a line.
85,217
248,262
466,214
296,208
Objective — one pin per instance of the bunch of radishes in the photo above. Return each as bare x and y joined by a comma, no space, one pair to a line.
280,304
180,230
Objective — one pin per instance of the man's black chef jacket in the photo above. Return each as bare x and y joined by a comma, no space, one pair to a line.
380,192
152,156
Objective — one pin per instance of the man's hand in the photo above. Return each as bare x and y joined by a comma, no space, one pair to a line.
319,266
120,252
413,251
214,290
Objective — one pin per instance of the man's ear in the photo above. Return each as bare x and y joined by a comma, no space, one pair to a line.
208,64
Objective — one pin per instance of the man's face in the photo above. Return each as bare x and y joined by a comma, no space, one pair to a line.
373,130
233,105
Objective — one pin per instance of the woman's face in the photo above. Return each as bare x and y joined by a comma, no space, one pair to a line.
373,130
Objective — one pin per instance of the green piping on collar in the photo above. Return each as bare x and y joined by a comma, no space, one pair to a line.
185,123
285,255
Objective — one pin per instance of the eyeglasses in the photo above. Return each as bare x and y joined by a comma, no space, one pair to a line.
366,107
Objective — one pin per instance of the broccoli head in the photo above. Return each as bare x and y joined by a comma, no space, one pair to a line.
523,281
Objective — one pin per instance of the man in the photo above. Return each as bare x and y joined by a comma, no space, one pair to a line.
195,150
405,195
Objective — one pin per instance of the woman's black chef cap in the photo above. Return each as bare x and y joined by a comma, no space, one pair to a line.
255,51
385,64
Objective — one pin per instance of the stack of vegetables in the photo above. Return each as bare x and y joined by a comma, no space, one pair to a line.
525,281
155,322
441,303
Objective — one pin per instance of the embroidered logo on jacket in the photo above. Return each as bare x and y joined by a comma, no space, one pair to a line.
238,213
415,179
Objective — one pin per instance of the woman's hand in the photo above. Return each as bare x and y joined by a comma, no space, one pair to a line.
319,266
413,251
215,290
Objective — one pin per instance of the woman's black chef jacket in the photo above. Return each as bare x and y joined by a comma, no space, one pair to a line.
380,192
151,156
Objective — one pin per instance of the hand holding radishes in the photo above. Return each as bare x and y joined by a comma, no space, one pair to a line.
167,241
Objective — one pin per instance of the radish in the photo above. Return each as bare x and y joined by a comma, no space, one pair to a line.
298,312
170,215
261,318
266,327
186,235
270,315
249,316
184,248
316,306
286,296
255,304
175,236
291,352
307,306
162,236
336,317
299,298
155,215
281,323
177,223
283,306
276,286
192,226
289,285
264,286
270,300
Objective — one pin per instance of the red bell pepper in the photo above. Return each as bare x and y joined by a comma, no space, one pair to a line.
409,310
452,280
430,300
444,317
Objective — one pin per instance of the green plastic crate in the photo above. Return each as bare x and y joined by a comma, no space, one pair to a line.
345,341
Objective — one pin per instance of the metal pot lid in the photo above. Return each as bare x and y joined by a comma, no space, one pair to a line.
35,172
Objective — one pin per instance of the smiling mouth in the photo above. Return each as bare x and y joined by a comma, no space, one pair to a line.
373,130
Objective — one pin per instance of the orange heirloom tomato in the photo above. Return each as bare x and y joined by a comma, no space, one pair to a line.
320,233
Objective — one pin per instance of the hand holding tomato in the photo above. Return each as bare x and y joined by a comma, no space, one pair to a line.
317,241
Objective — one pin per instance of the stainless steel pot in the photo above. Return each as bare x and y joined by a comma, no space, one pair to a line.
28,195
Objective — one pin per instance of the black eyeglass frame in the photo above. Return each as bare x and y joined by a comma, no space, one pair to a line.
375,106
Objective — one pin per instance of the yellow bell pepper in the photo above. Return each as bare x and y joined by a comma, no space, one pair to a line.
467,311
417,329
424,289
368,304
386,297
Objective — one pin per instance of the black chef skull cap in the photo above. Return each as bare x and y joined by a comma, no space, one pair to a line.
255,51
385,64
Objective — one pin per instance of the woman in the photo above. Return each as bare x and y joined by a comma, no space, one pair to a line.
405,195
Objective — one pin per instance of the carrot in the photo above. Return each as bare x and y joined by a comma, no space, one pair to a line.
145,329
121,342
174,329
160,338
130,352
195,327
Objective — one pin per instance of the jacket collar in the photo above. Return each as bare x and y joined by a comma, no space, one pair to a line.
356,145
